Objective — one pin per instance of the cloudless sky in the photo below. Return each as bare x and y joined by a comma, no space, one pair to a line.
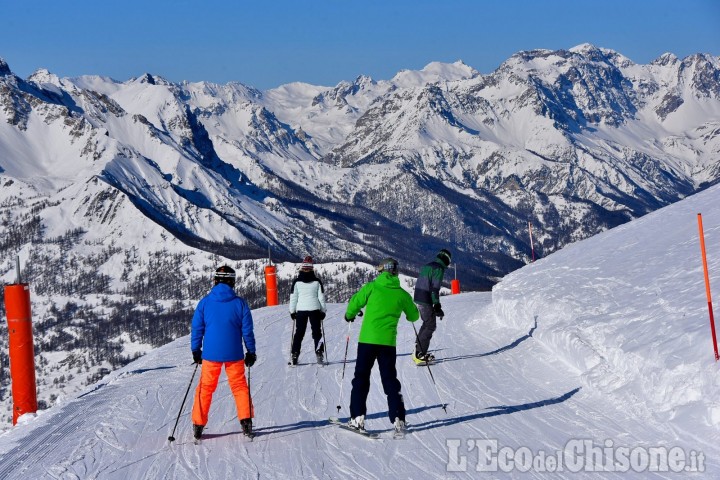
268,43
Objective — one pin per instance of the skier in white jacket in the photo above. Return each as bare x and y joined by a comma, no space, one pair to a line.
307,302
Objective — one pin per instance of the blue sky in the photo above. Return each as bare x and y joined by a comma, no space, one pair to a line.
266,44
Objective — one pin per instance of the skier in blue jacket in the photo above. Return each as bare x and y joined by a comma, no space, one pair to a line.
222,322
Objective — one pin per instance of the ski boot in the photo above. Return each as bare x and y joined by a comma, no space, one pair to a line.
320,353
246,424
421,359
400,428
357,423
197,431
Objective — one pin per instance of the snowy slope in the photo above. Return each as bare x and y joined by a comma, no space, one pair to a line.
606,341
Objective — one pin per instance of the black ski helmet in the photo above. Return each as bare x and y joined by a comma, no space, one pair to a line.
445,256
389,265
226,275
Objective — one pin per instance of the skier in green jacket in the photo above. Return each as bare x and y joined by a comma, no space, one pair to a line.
384,301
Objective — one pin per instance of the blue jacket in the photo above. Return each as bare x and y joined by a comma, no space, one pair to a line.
221,323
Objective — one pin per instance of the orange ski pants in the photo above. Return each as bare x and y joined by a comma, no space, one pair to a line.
209,375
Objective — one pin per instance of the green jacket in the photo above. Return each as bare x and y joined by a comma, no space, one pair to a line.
385,301
429,281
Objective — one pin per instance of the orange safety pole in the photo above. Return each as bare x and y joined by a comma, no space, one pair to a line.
455,283
707,286
271,285
22,352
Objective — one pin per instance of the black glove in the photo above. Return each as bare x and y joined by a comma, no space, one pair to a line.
437,308
352,319
250,359
322,315
293,315
197,356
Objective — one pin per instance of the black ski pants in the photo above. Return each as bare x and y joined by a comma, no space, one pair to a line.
429,324
301,320
385,355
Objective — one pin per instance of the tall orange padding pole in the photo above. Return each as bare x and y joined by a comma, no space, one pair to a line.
707,286
22,352
271,285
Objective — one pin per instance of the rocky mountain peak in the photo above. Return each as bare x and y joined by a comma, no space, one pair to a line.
704,72
665,59
42,76
4,68
364,81
151,79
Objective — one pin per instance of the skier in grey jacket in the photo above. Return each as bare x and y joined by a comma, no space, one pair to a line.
307,303
427,297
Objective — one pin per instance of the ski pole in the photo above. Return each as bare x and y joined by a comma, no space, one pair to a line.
417,338
292,337
171,437
249,394
347,344
322,326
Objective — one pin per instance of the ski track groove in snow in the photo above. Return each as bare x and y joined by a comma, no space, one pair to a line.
44,441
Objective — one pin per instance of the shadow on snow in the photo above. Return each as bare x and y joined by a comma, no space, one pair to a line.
499,410
308,424
494,352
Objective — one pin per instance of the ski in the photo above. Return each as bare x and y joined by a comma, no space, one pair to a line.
399,435
346,427
250,438
425,364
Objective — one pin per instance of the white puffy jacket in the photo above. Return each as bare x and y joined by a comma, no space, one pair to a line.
307,293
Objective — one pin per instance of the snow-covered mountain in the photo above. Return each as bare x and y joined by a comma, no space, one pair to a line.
574,141
595,361
120,197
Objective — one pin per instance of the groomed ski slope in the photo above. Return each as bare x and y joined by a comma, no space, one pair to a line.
498,383
606,341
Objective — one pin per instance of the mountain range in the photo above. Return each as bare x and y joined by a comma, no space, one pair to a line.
574,141
119,197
